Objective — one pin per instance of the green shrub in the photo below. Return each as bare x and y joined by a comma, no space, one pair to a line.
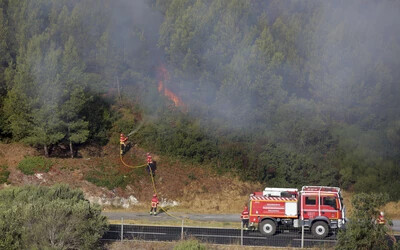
178,137
32,164
362,231
57,217
108,177
189,245
4,173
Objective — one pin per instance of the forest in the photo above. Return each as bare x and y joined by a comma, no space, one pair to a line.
287,93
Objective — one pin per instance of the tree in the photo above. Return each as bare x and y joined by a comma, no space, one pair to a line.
73,98
43,67
362,232
57,217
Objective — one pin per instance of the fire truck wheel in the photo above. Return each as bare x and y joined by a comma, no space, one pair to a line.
320,229
268,227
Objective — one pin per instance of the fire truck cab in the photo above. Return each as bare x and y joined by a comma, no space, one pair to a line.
318,208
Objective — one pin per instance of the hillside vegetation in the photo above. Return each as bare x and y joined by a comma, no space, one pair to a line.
282,93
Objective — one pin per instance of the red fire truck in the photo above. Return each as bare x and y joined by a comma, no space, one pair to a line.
318,208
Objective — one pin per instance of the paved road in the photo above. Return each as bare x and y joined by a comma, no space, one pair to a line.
164,217
197,217
283,238
396,225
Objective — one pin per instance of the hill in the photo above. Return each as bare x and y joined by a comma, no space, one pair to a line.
188,187
185,187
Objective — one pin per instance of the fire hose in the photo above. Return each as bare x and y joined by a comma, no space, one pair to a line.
154,185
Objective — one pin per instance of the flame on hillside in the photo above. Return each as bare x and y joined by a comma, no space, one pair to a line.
163,76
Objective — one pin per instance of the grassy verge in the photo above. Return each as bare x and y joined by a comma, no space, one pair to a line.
146,245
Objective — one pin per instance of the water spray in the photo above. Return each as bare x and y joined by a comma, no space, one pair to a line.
137,129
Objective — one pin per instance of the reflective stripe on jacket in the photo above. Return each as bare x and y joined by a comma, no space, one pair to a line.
245,215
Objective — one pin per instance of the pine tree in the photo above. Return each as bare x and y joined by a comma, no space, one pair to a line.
47,125
74,98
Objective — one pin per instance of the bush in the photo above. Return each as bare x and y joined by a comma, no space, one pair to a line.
189,245
362,232
32,164
178,137
108,177
57,217
125,124
4,173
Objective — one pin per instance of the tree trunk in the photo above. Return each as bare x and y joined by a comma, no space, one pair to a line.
119,93
71,150
46,151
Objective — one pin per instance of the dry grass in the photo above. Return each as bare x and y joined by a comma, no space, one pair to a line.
140,245
347,196
392,210
146,245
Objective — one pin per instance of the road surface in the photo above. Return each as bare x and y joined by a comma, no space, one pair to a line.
283,238
195,217
164,217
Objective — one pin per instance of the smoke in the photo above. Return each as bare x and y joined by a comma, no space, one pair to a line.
135,16
242,61
137,129
88,43
340,55
357,40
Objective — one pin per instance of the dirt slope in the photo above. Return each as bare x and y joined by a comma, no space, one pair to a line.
191,188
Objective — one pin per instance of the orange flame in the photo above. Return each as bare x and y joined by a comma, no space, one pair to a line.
163,76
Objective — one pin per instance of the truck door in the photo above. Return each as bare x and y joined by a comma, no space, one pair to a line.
310,208
329,206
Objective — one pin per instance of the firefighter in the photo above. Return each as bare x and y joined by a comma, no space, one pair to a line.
151,165
122,142
381,219
245,218
154,203
149,159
